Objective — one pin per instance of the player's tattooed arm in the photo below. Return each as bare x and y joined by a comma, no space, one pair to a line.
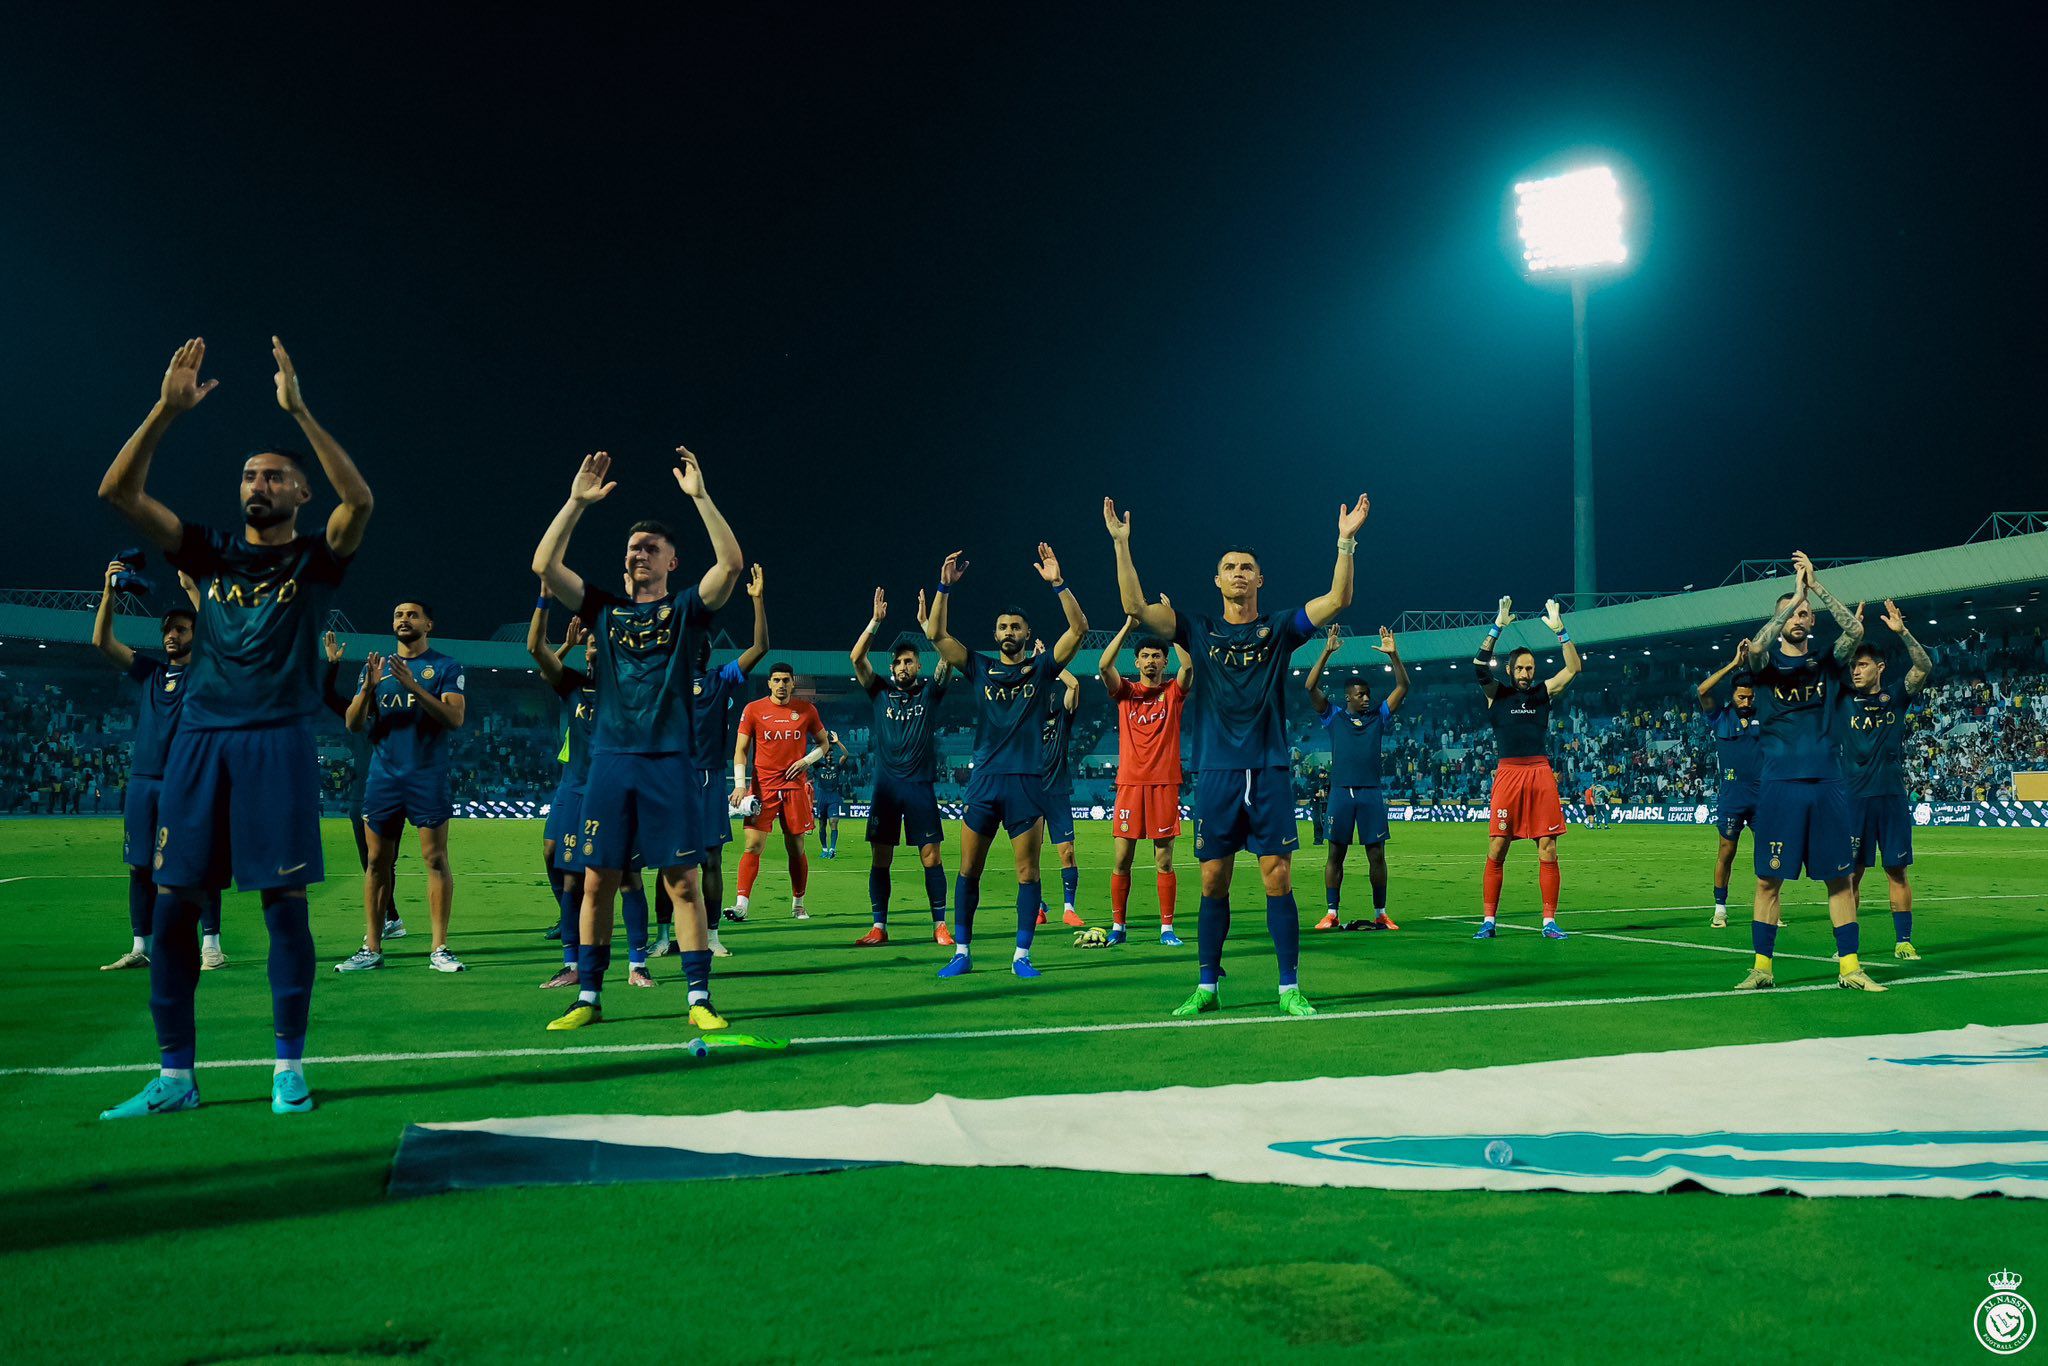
1350,521
586,490
1105,667
1393,654
346,524
950,650
1758,650
864,672
103,638
757,649
122,487
1069,644
727,563
1314,684
365,701
1923,663
1159,618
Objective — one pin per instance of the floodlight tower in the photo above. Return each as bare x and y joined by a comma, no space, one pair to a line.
1571,227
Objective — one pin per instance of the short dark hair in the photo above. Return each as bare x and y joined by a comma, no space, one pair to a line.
1016,612
1238,548
176,612
1868,651
1517,653
653,527
904,646
781,667
1149,643
426,608
299,459
1745,679
1359,681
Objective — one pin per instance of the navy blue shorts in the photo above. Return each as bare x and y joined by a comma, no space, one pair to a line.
391,801
714,807
243,804
1358,815
1015,801
1059,816
901,806
1735,808
1804,823
1883,823
1251,809
641,807
565,826
829,805
138,821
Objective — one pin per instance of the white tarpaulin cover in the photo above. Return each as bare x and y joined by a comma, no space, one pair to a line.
1952,1113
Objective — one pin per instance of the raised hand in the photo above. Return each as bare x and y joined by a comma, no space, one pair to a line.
756,582
589,485
373,671
921,618
882,606
1893,617
1351,520
1119,527
287,379
954,569
182,389
1047,564
578,631
1166,602
1741,660
1332,641
401,672
689,474
1553,615
1505,616
1802,568
1859,614
1037,646
331,643
1386,645
114,568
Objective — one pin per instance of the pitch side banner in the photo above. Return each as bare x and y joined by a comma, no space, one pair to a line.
1953,1113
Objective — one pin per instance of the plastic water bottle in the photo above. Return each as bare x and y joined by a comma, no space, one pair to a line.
700,1049
1500,1154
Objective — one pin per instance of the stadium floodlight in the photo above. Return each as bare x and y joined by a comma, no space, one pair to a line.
1571,221
1570,226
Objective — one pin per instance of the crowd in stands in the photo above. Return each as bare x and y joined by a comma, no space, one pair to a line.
1634,727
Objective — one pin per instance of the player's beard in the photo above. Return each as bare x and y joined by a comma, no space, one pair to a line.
263,515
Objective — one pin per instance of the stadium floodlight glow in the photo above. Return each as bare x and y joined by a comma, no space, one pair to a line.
1571,221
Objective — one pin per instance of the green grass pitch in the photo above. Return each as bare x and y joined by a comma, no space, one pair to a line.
230,1233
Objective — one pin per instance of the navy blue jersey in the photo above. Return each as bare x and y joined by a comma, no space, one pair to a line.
156,719
404,740
579,720
1355,739
1521,720
714,696
1240,692
1873,731
645,678
1793,695
256,649
1739,740
1054,740
905,715
1008,709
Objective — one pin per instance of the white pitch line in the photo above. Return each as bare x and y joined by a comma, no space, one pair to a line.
1399,1012
1638,939
1821,904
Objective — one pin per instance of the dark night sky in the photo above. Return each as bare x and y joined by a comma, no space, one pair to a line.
910,280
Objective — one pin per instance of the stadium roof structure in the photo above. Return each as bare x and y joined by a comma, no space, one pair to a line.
1945,592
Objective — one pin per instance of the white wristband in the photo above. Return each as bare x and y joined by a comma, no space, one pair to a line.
1347,545
739,776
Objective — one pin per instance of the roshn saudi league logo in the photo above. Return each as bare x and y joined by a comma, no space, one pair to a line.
2004,1321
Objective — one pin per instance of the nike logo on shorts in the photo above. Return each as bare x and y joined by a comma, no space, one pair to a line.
287,872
